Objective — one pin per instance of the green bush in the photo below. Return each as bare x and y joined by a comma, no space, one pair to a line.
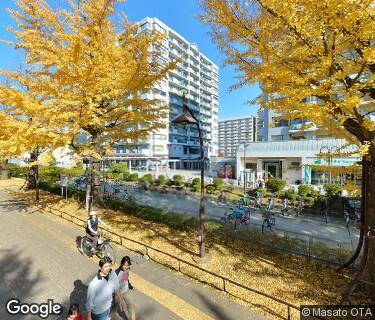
56,189
210,189
147,178
16,170
76,171
50,174
117,171
263,192
219,184
174,220
133,177
275,185
332,191
178,180
304,190
196,184
160,181
290,195
309,201
196,181
228,188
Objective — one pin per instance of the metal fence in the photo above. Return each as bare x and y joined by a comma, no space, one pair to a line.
291,311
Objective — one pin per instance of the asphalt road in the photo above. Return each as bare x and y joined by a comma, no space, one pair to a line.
39,260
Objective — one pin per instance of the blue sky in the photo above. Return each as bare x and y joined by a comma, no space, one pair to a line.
180,15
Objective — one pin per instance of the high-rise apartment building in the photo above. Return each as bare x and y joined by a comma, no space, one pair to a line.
233,132
197,76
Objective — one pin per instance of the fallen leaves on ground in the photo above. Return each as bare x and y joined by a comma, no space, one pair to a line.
290,279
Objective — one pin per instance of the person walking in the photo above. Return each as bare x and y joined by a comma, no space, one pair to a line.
285,206
125,287
100,292
270,203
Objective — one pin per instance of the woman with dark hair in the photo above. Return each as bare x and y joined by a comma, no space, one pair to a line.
73,312
125,286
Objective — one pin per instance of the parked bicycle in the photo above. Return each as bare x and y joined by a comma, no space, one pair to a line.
104,248
111,191
239,215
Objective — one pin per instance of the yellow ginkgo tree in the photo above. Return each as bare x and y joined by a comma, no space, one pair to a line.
315,60
93,78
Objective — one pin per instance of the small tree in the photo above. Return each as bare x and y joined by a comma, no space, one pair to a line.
219,184
178,181
332,191
160,180
275,185
196,184
147,178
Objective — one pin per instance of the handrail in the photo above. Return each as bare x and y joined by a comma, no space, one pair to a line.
223,278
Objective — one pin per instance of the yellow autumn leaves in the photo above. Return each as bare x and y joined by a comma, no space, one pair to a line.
81,77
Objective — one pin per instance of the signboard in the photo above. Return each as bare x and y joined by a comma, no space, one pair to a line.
64,181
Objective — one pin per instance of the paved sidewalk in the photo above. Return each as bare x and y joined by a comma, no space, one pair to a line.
39,260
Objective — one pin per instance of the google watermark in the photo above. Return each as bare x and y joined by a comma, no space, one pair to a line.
42,310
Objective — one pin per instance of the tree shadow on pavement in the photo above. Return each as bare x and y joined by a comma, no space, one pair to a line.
14,205
16,279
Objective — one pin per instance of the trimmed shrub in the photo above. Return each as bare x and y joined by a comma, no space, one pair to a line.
133,177
210,189
309,201
50,174
290,195
275,185
332,191
76,171
177,221
147,178
304,190
228,188
178,180
16,170
160,181
196,181
263,192
196,184
218,184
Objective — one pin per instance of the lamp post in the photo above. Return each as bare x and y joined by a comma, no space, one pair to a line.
187,118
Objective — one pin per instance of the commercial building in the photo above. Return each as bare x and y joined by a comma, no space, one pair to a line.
196,75
294,161
233,132
290,150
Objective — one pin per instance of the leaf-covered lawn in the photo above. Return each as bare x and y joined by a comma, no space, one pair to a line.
288,278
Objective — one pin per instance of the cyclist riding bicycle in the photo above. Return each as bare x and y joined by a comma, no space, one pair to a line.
285,206
92,229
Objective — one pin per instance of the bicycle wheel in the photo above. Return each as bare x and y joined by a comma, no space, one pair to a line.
109,252
264,225
86,246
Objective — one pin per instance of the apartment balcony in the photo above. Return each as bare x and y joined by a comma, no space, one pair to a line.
306,126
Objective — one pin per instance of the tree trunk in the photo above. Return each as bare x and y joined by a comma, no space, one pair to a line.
97,194
33,174
4,171
366,271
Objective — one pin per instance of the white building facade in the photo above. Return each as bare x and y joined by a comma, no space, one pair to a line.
197,76
294,161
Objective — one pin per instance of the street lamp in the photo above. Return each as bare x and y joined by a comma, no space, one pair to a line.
187,118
